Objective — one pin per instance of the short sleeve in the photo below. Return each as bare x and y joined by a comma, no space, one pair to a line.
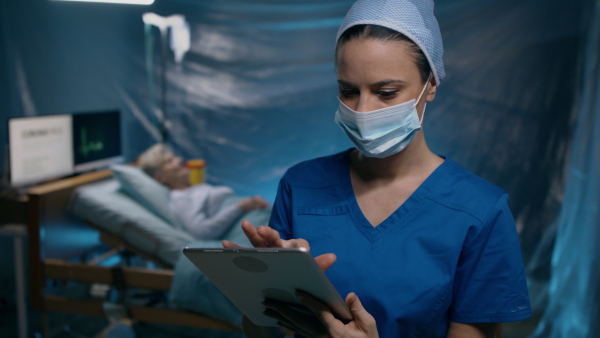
490,284
282,207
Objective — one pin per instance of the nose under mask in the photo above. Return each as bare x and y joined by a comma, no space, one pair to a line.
383,132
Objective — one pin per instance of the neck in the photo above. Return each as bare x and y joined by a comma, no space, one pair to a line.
416,159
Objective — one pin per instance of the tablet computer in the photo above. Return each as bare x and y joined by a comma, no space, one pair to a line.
249,275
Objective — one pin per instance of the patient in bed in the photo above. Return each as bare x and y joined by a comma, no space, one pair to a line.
198,207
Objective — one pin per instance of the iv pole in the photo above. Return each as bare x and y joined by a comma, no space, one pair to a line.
180,44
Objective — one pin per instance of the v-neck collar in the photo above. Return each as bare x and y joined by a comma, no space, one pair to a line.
401,216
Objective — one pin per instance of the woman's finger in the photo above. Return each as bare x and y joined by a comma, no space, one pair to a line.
251,232
273,240
325,261
299,243
362,318
270,236
321,310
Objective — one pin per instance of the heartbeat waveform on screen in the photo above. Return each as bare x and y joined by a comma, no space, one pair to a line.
88,147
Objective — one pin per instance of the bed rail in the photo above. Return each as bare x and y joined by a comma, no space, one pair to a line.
129,278
141,278
50,201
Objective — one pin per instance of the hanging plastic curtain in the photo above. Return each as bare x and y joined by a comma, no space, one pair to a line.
256,94
573,308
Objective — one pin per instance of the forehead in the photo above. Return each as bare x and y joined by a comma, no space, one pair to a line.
372,59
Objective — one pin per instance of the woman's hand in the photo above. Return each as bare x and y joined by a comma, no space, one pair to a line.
265,237
322,322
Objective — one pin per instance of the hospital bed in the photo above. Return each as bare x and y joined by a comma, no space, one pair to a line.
132,219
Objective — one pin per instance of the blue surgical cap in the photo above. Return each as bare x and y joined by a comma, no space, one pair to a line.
413,18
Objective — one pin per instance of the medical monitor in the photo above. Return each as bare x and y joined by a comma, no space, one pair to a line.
96,140
40,149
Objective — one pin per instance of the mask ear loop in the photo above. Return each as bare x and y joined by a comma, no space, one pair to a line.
419,99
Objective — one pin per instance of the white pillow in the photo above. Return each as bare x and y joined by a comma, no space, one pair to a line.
146,191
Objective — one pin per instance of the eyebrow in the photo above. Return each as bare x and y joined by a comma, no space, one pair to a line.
376,84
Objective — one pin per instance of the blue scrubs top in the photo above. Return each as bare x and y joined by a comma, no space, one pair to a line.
450,253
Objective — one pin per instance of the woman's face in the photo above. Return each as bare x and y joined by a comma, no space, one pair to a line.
374,74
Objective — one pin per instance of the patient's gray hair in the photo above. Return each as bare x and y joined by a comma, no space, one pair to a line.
151,160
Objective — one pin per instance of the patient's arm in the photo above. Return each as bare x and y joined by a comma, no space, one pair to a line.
202,226
252,203
213,227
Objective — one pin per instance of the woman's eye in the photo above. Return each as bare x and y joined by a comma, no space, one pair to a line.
348,92
387,93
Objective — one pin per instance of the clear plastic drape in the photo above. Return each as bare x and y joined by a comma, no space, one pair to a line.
256,94
573,308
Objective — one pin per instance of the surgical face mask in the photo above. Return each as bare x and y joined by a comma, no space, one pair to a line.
383,132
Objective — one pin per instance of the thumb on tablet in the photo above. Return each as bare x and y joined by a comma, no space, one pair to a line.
362,318
325,261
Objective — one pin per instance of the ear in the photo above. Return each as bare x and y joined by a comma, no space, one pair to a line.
431,90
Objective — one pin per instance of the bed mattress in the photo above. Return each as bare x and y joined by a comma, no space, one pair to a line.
105,206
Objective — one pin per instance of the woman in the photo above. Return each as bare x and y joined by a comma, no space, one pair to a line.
422,247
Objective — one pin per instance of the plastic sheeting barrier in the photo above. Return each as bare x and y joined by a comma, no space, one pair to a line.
256,91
